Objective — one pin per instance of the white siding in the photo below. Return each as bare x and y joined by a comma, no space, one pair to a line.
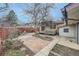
71,32
77,33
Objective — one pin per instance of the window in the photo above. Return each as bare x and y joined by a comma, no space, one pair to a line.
66,30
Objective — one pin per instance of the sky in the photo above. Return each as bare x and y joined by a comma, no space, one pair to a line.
56,12
18,9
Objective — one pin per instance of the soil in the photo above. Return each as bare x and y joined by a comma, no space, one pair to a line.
44,37
50,54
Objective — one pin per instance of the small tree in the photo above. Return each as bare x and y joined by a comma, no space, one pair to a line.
12,18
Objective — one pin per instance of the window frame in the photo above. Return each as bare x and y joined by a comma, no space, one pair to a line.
66,30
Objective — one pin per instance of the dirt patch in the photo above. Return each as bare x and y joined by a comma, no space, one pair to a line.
65,51
50,54
44,37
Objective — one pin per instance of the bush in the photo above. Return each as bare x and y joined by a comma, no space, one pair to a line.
13,44
8,44
2,50
17,44
14,34
13,48
15,53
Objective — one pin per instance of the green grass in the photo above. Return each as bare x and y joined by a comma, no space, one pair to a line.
15,53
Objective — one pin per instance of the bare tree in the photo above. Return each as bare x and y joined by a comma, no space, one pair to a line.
39,12
3,6
45,9
33,12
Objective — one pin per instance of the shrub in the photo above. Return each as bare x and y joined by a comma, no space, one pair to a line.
8,44
17,44
15,53
2,50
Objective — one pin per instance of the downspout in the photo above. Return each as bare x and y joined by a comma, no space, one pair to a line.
77,33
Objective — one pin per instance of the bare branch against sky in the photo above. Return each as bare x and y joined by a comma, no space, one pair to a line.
39,12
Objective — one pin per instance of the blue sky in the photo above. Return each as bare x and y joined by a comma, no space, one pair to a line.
18,8
56,12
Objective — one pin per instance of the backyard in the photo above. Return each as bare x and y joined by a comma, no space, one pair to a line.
36,30
30,44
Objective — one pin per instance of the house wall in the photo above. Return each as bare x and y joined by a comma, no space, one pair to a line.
73,13
77,33
71,32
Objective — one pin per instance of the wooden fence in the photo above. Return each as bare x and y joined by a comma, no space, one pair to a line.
6,32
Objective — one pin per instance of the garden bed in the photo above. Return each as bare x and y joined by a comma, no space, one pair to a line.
12,52
44,37
15,48
64,51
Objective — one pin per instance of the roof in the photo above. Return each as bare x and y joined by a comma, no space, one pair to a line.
70,6
59,22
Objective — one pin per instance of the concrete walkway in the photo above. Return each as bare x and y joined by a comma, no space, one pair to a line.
65,42
45,51
42,47
57,40
33,43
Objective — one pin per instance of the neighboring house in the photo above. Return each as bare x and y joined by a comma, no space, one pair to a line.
59,24
29,25
47,25
72,29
